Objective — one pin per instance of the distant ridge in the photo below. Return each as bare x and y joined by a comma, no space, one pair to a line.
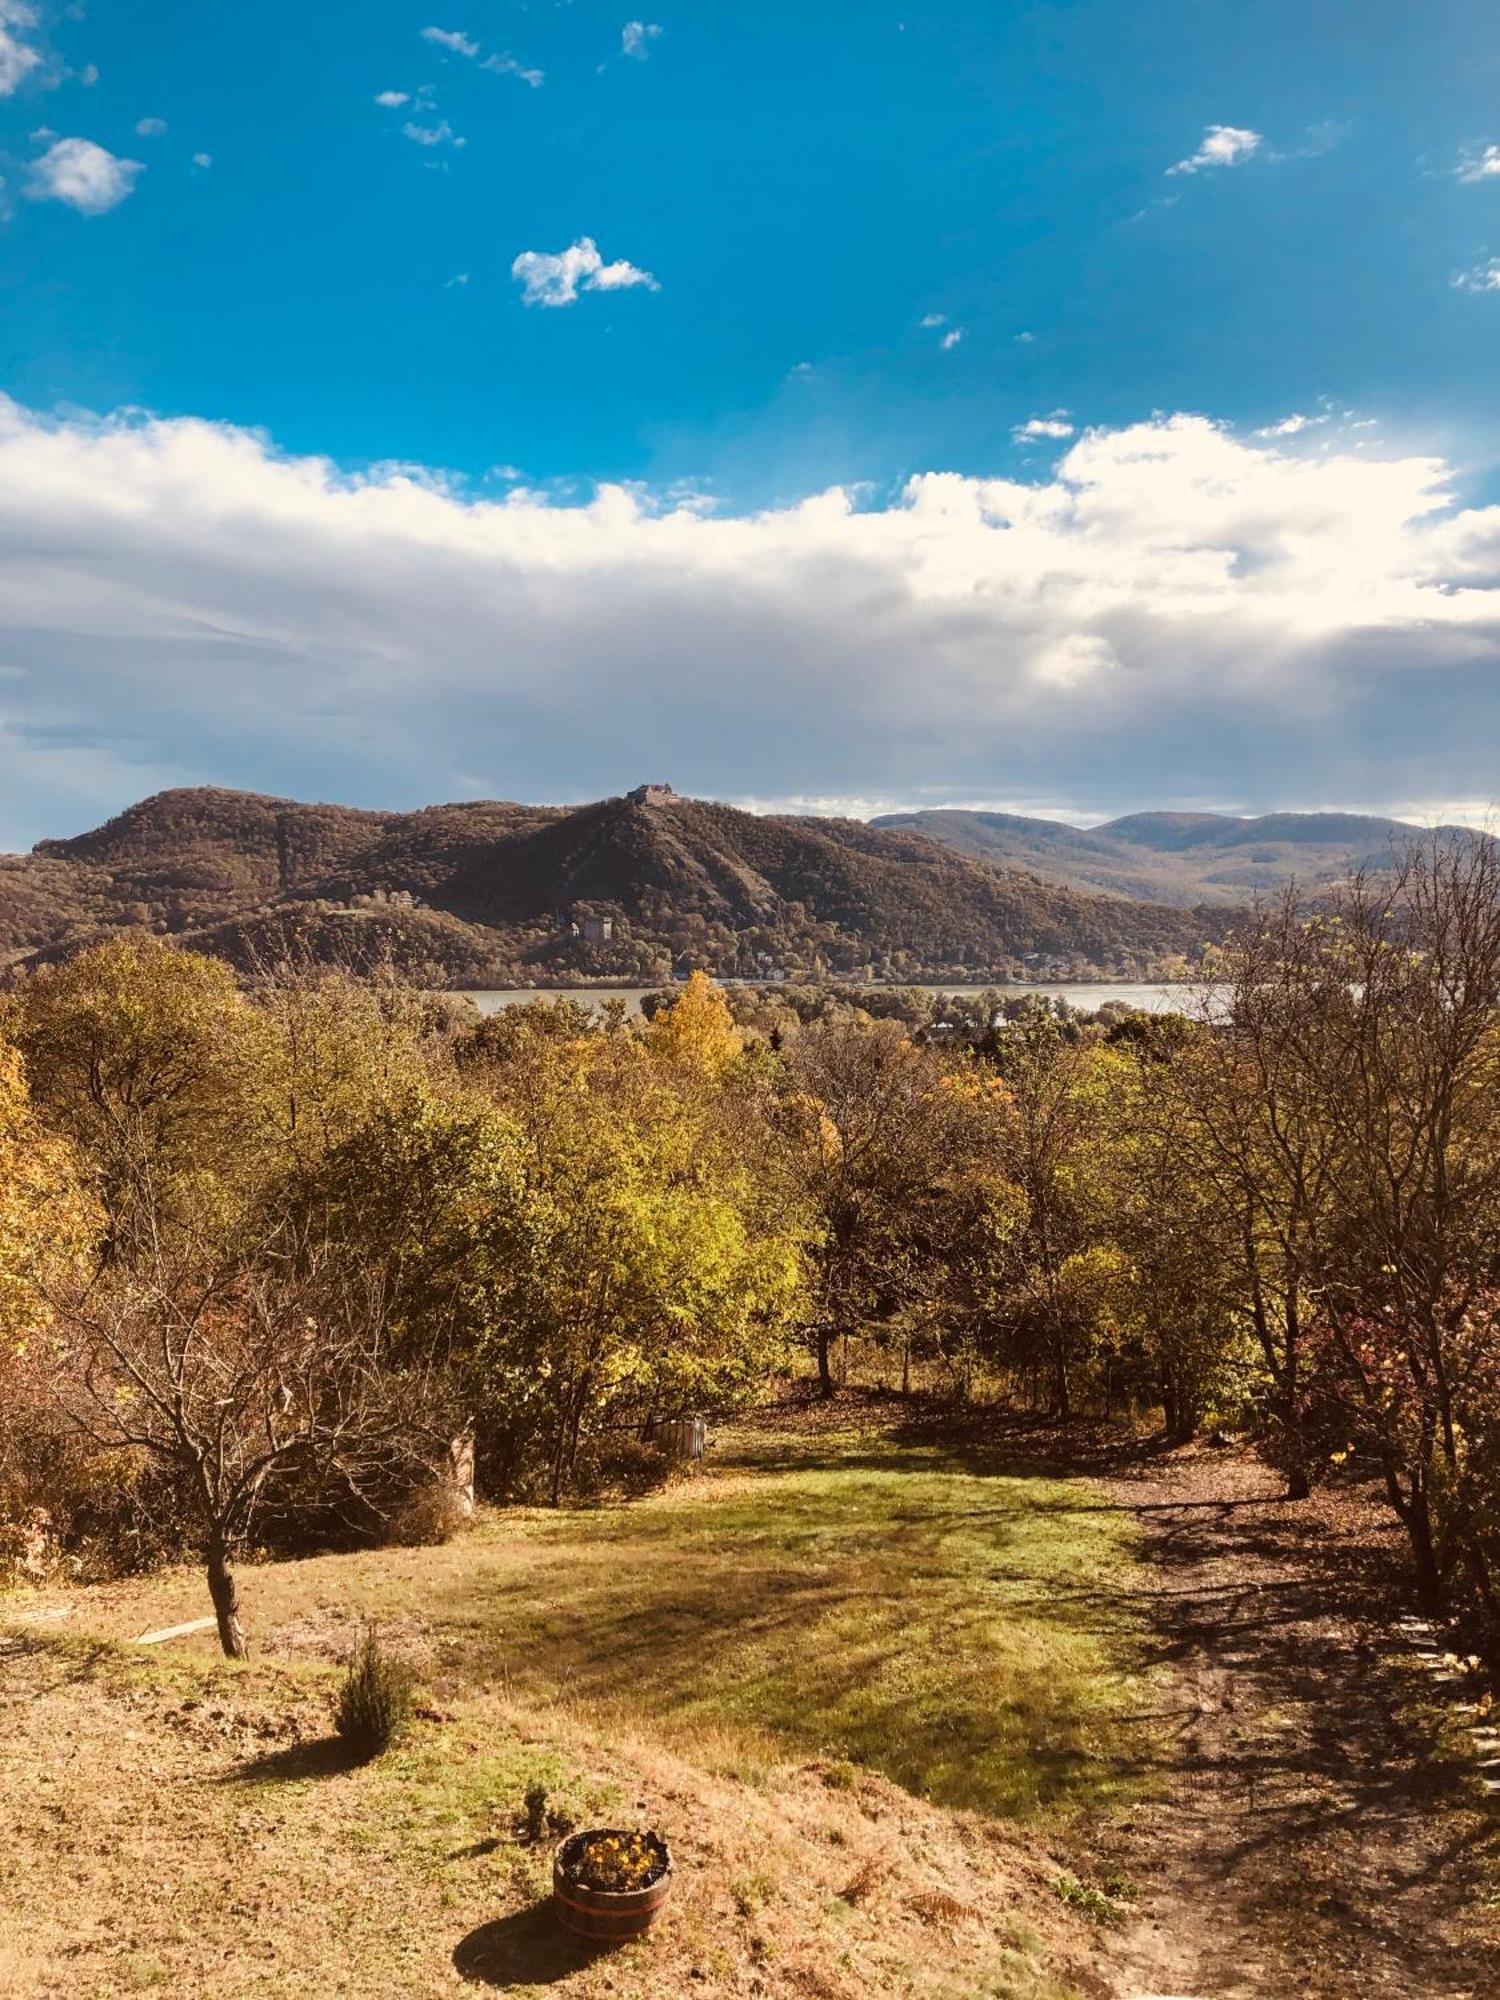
1176,858
630,889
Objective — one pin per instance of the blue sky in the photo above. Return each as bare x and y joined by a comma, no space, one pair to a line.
837,246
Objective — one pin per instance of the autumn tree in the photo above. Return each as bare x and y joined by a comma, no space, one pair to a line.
241,1370
880,1143
635,1259
1051,1148
1395,1041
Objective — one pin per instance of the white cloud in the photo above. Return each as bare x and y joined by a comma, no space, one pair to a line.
506,65
1170,607
1481,166
930,320
150,128
451,39
1071,660
392,100
1289,426
1055,426
636,38
85,176
1026,339
951,339
499,64
19,57
458,280
556,278
440,134
1482,278
204,160
1222,146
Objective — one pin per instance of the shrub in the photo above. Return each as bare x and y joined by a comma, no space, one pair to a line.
375,1701
433,1514
620,1463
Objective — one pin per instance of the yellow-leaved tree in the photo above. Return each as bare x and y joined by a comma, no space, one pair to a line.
44,1216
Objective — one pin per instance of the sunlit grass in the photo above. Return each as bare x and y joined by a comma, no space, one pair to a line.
971,1634
963,1633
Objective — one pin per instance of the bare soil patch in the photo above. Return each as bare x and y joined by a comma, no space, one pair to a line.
1323,1831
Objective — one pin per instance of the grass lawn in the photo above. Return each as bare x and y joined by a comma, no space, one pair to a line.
839,1669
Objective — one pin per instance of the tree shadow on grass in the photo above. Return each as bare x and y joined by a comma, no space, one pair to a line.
528,1948
323,1757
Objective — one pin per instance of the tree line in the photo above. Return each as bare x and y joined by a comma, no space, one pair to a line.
273,1252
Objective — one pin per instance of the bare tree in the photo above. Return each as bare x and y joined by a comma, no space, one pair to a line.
243,1376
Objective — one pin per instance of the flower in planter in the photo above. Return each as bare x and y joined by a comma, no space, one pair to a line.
617,1861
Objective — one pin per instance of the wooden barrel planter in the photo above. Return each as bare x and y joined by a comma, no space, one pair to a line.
682,1439
608,1916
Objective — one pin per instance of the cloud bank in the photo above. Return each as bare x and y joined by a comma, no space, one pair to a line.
1170,613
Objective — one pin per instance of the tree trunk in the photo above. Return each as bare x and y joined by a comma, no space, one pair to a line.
825,1373
1423,1552
1062,1397
225,1593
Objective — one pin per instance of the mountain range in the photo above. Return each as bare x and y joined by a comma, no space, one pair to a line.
629,889
1173,857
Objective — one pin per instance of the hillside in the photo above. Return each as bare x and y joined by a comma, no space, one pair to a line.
1178,858
629,888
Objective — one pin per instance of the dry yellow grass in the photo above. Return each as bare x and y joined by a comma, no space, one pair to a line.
824,1673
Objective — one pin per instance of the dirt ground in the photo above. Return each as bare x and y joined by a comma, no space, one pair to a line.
1324,1831
1309,1816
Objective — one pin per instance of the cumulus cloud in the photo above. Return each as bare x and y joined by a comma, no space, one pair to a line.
392,100
203,160
951,339
1481,166
150,128
19,55
1221,146
1482,278
85,176
555,278
1055,426
636,38
1171,610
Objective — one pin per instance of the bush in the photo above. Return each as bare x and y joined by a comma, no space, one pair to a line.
375,1701
620,1463
433,1514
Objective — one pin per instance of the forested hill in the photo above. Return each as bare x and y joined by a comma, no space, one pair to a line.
1171,857
493,893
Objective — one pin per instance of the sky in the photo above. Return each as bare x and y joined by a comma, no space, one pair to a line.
1072,408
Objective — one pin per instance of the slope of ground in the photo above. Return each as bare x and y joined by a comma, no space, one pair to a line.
1179,858
491,893
843,1672
1326,1831
982,1711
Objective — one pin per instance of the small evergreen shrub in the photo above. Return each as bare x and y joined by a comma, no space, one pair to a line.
375,1701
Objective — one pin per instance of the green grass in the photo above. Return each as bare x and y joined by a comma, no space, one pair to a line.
851,1598
969,1633
964,1633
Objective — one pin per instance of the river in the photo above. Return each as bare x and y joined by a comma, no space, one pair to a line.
1150,999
